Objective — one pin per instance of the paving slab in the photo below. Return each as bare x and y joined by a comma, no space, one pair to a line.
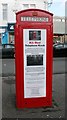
57,110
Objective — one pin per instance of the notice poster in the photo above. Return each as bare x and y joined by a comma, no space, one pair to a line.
34,63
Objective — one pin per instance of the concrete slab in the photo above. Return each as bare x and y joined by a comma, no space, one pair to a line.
57,110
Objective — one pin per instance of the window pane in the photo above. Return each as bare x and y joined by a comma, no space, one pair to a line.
32,6
4,8
25,6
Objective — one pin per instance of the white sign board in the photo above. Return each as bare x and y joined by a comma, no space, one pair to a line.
34,63
39,19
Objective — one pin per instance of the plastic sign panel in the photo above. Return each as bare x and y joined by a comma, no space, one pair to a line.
40,19
34,63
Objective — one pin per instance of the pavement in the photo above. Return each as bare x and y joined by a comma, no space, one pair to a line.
57,110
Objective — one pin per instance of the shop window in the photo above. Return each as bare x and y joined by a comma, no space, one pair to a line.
11,38
0,38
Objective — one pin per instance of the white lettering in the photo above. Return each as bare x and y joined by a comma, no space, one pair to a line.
39,19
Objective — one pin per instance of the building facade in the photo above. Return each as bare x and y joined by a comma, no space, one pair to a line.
59,29
8,9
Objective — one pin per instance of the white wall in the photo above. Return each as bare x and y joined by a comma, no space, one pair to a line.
14,5
11,13
39,3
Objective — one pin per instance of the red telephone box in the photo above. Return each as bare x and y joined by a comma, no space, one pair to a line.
33,56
